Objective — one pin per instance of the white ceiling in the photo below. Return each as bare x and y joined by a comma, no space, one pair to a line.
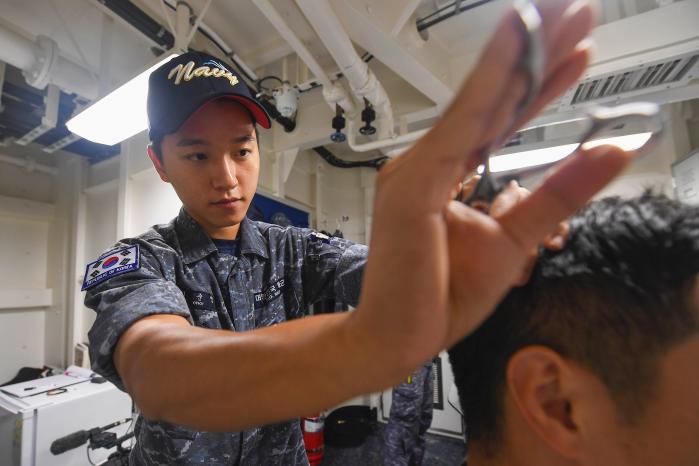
116,53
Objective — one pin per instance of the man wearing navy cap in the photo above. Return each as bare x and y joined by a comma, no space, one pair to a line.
211,267
199,319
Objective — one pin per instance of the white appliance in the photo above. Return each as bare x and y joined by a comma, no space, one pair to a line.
34,414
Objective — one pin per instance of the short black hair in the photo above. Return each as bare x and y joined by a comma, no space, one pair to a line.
613,300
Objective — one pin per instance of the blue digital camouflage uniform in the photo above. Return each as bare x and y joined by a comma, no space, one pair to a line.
409,419
276,275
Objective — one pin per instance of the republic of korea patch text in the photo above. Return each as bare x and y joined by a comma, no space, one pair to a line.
111,264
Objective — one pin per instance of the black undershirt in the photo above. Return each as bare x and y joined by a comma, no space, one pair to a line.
227,247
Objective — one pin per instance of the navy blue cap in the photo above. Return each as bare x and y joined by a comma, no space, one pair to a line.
179,87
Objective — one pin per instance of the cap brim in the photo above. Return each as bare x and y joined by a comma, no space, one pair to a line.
258,112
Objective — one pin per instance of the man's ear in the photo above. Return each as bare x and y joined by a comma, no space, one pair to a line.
157,163
540,381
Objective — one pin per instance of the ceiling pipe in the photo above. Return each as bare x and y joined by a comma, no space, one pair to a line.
362,80
16,50
42,64
198,21
216,39
137,20
391,141
182,15
334,94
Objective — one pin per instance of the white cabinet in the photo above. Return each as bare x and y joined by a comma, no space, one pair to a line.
29,425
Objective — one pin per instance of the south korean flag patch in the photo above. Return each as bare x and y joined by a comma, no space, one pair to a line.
111,264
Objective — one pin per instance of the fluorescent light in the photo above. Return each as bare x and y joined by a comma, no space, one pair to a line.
630,142
532,158
118,115
553,123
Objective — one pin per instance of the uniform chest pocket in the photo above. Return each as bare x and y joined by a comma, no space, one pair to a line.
276,303
202,306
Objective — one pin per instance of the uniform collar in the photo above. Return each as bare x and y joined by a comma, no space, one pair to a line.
195,244
251,239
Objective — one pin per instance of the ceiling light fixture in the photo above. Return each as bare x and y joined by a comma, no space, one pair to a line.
548,155
118,115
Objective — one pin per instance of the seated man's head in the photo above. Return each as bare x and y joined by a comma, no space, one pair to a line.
596,360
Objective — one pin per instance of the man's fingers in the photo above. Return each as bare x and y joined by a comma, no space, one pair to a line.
512,195
562,193
460,130
505,112
569,57
468,186
556,84
486,104
449,150
564,77
474,113
565,26
493,72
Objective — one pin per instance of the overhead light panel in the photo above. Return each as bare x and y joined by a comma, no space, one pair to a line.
530,158
628,143
548,155
118,115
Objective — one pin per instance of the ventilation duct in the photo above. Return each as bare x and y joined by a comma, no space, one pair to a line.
652,56
661,74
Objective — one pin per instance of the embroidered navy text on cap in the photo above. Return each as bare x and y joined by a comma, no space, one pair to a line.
182,85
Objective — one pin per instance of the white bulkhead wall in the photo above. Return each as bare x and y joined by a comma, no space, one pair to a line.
34,252
24,243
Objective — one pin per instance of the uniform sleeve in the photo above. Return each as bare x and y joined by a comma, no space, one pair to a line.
333,269
123,298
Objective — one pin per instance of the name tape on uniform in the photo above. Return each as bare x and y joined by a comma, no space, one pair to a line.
316,236
273,291
111,264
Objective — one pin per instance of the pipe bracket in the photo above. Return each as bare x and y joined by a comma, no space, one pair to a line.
47,55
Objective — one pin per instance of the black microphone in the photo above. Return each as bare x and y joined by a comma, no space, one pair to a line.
80,437
69,442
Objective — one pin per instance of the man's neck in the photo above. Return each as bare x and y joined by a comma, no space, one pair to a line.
478,458
229,233
518,450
